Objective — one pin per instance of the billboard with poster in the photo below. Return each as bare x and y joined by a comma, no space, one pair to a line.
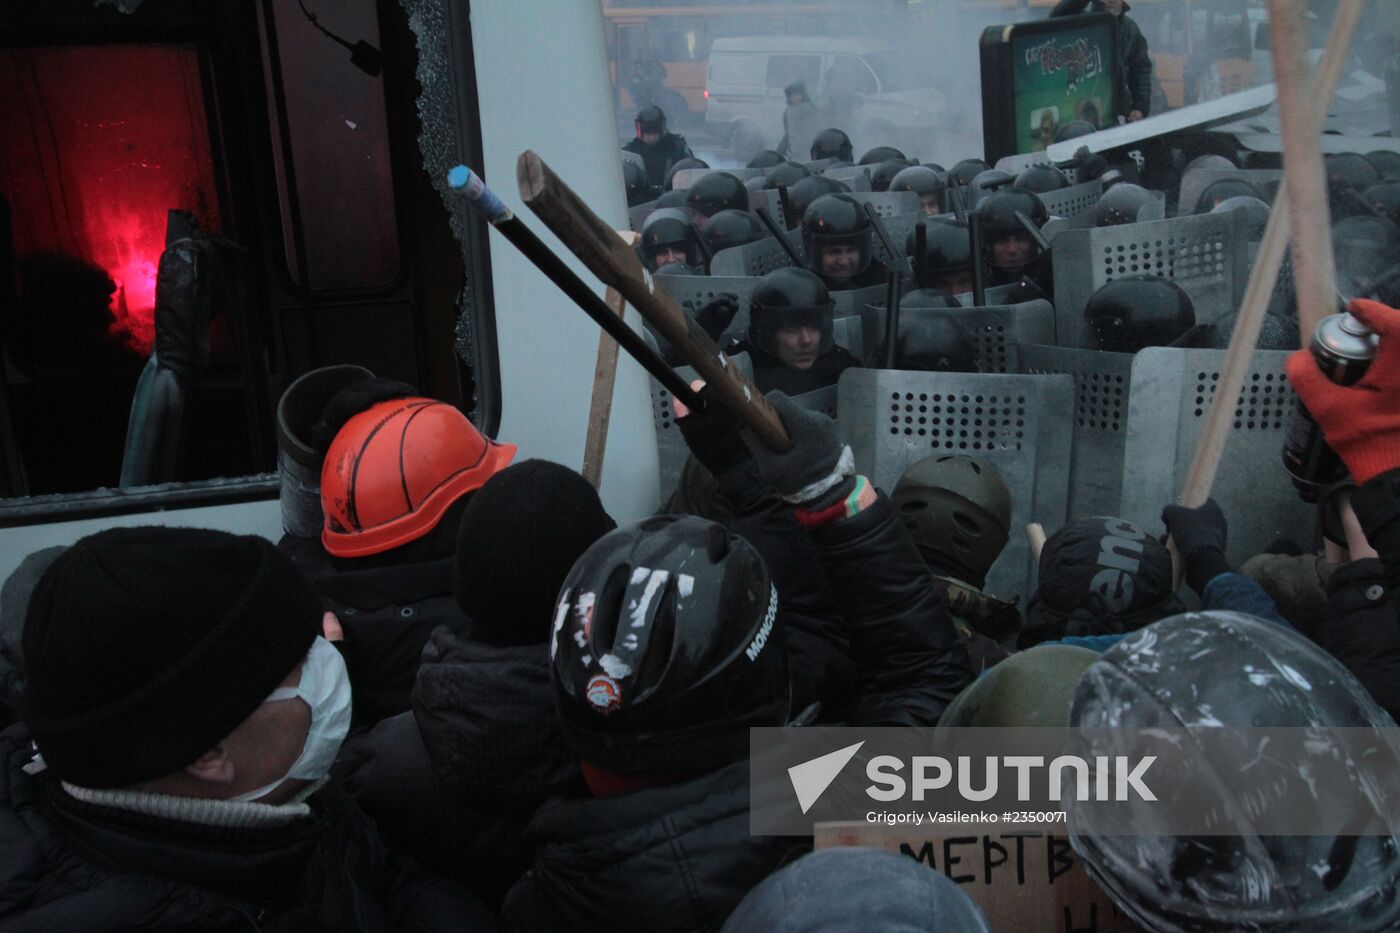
1040,75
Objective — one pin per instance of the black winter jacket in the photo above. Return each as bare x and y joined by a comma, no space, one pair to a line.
1363,602
871,604
771,374
666,858
387,614
681,857
818,651
488,720
388,772
1134,65
454,783
659,158
70,866
910,658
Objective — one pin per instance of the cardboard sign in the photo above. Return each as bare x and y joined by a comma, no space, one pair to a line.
1021,881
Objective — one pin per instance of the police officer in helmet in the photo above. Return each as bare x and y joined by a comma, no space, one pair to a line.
658,148
790,335
836,235
668,237
946,262
1009,248
927,183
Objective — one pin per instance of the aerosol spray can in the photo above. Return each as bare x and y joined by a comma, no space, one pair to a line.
1343,348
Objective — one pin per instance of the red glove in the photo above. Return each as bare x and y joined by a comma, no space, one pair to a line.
1361,421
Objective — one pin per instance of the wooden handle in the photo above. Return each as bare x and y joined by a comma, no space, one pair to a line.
603,251
1301,111
1035,534
600,406
1263,278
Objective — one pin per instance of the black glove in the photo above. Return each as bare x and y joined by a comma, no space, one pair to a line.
1200,536
713,434
1089,165
717,314
817,469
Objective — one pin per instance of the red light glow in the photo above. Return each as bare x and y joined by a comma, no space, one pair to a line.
110,138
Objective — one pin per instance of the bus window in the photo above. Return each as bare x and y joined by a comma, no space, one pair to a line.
101,141
785,69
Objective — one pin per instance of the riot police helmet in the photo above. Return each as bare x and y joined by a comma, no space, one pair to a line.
831,144
1138,311
836,222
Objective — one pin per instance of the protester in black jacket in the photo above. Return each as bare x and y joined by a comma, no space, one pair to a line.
454,782
1362,424
819,653
663,658
185,713
399,470
1133,66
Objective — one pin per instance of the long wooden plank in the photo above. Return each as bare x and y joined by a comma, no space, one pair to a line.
607,256
595,444
1262,280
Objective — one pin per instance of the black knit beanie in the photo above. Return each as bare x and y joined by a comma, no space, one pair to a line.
1099,576
144,647
519,537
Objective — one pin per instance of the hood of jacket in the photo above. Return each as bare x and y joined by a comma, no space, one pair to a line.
486,714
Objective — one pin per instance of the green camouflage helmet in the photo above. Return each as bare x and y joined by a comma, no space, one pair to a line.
1031,688
958,511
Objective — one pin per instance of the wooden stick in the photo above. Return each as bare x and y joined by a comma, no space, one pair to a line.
604,379
484,201
1219,420
600,248
1301,112
1035,534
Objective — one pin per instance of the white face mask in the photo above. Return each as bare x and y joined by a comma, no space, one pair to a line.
325,687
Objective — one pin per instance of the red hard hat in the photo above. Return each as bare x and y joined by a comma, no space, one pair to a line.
395,468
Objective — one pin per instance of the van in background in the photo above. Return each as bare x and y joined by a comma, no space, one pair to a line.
862,86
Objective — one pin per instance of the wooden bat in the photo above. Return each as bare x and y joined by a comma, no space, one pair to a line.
1262,280
1035,535
484,201
595,444
603,251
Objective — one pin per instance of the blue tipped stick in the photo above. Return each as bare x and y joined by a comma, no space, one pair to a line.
462,179
466,182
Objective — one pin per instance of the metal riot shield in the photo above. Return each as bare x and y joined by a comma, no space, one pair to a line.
751,259
770,201
671,450
687,177
1074,200
1206,254
1018,424
857,177
1100,425
1171,394
1195,182
1000,332
693,292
